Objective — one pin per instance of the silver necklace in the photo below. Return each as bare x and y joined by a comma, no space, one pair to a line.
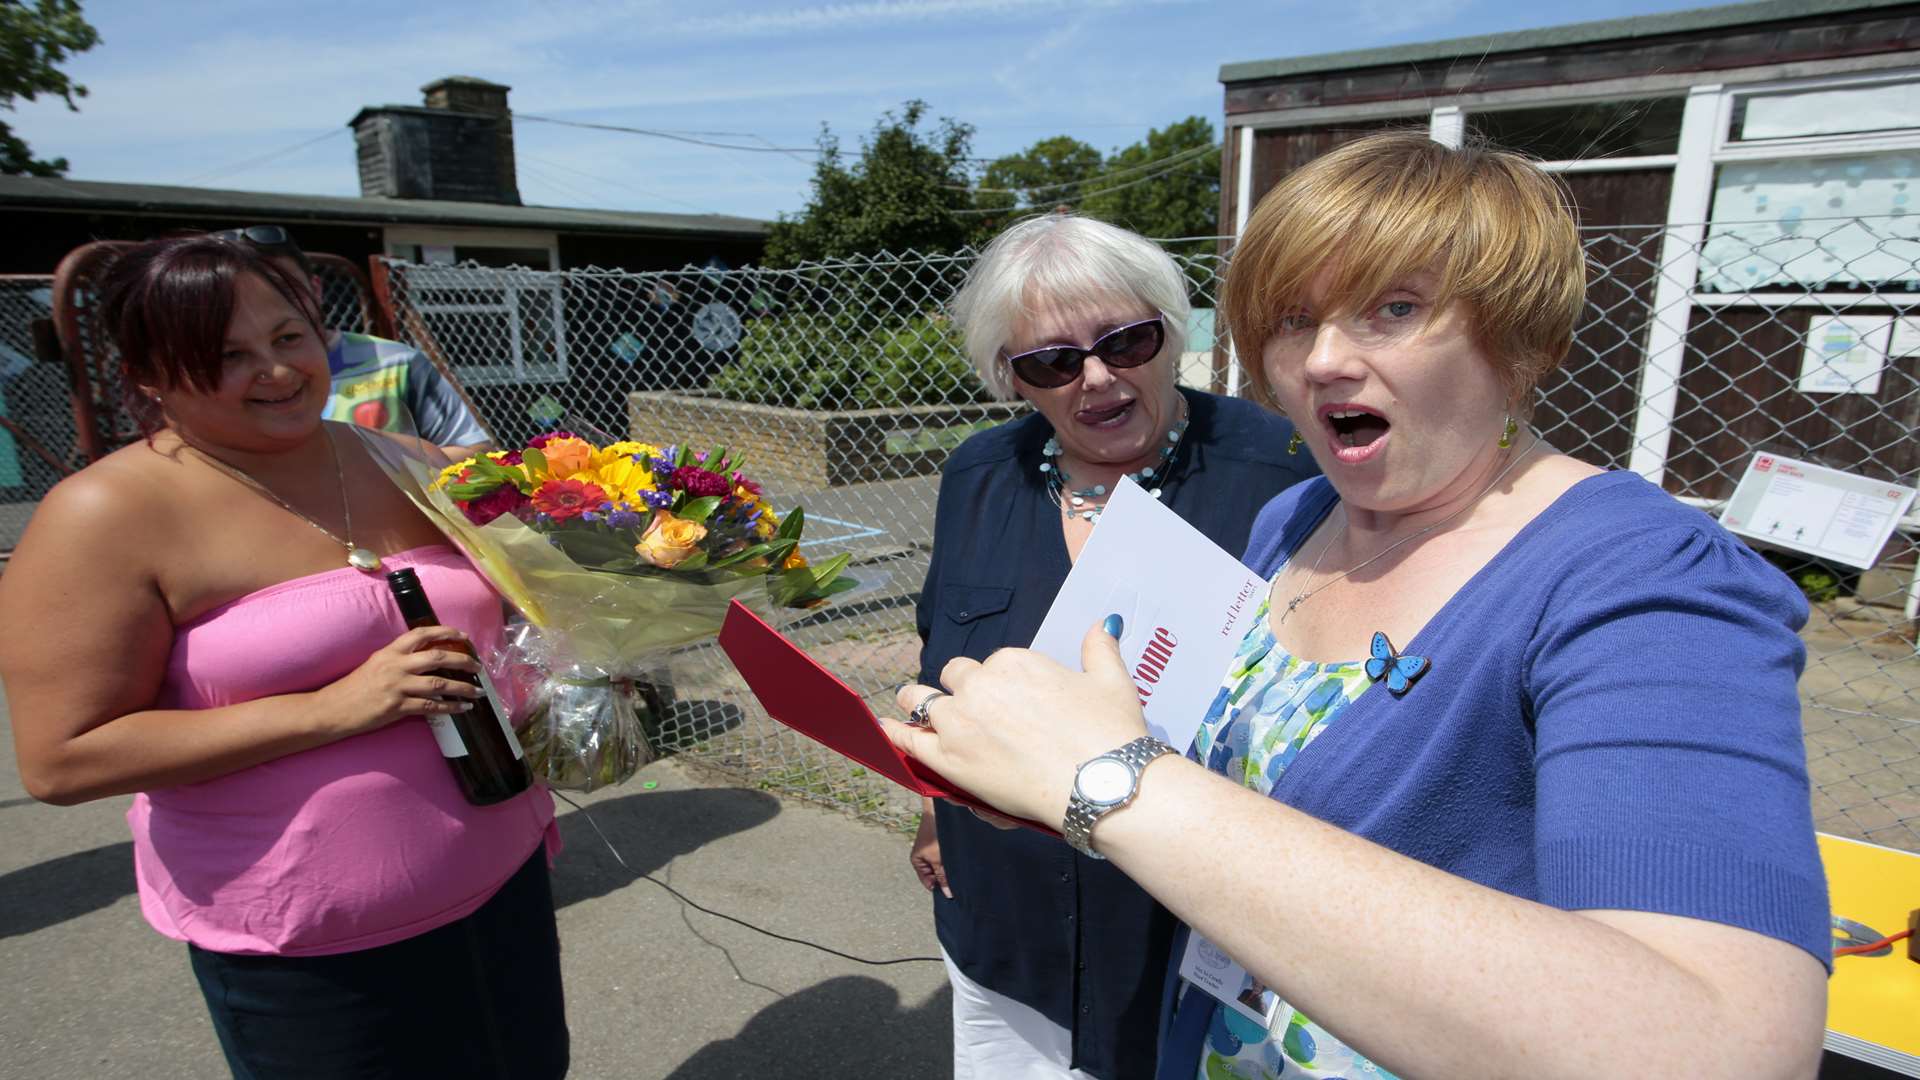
1073,502
359,558
1306,594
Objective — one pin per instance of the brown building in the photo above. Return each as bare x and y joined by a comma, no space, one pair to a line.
1741,175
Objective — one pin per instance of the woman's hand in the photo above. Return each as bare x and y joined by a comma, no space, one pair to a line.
398,681
1017,727
925,854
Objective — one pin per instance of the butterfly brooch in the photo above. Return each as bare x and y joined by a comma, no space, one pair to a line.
1398,671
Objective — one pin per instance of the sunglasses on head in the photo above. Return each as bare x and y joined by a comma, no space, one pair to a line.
1057,365
266,236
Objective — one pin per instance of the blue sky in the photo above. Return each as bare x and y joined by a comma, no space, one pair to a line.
200,91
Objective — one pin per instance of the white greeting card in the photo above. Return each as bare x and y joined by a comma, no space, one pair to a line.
1185,604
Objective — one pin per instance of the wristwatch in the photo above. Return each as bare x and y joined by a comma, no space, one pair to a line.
1106,784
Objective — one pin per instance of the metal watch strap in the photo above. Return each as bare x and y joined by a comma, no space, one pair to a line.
1082,814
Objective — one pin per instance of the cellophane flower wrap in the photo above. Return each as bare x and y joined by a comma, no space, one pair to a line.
614,553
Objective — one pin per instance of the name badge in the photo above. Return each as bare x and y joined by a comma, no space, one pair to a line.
1208,967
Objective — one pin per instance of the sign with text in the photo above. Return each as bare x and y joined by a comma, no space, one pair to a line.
1185,603
1844,354
1813,509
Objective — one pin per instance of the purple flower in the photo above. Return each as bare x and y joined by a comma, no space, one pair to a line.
624,519
658,500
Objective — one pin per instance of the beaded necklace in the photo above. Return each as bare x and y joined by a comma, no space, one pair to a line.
1076,502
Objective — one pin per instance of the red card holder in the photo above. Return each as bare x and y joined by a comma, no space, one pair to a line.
798,692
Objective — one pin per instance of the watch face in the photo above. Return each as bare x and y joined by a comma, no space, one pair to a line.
1104,781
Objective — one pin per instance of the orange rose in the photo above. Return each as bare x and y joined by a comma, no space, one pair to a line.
670,541
566,456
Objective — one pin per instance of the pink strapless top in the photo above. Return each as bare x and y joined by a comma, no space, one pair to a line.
359,843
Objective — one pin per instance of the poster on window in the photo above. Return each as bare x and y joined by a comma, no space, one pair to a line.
1822,512
1844,354
1828,223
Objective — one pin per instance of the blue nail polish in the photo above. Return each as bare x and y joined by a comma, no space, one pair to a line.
1113,625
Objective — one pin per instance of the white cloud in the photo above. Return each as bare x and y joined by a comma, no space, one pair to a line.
873,13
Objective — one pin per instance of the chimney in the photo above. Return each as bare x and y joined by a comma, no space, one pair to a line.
457,146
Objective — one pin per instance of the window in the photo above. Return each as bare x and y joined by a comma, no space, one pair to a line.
1584,131
497,322
1836,224
1814,187
497,326
1837,111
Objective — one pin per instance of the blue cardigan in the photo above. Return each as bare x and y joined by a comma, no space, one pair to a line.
1611,720
1032,918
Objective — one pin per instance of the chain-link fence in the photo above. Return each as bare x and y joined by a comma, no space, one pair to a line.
37,440
844,388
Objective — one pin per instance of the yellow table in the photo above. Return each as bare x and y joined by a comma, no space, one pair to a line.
1873,1002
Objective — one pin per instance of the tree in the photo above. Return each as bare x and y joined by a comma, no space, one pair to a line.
34,41
1049,173
1164,186
898,195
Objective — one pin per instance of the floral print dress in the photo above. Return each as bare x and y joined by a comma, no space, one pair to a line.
1270,706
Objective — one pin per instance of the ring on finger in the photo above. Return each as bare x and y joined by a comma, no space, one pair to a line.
919,717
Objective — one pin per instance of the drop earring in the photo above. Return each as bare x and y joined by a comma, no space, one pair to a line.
1506,435
1293,444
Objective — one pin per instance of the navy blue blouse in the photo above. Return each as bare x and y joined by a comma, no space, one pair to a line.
1030,917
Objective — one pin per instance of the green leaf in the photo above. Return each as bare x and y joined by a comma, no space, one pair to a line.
830,589
774,552
589,548
790,587
791,525
826,572
699,509
695,561
535,460
786,586
466,490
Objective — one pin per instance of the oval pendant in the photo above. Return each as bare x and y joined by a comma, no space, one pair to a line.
361,559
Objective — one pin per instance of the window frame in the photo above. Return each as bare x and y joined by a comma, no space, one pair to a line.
543,286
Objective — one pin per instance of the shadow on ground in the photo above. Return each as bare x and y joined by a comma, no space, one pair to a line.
649,830
49,893
690,723
849,1026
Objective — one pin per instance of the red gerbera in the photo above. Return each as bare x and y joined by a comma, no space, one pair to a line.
698,482
562,499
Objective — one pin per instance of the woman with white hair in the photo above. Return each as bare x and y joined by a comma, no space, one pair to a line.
1056,959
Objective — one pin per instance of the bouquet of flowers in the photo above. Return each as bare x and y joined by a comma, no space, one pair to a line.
613,553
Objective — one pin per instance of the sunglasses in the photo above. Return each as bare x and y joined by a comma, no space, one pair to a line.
266,236
1057,365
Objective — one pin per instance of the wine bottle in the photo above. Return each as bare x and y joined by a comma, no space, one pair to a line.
478,744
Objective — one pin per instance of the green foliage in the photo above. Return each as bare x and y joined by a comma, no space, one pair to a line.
813,361
1820,588
1162,200
898,195
34,41
1049,173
